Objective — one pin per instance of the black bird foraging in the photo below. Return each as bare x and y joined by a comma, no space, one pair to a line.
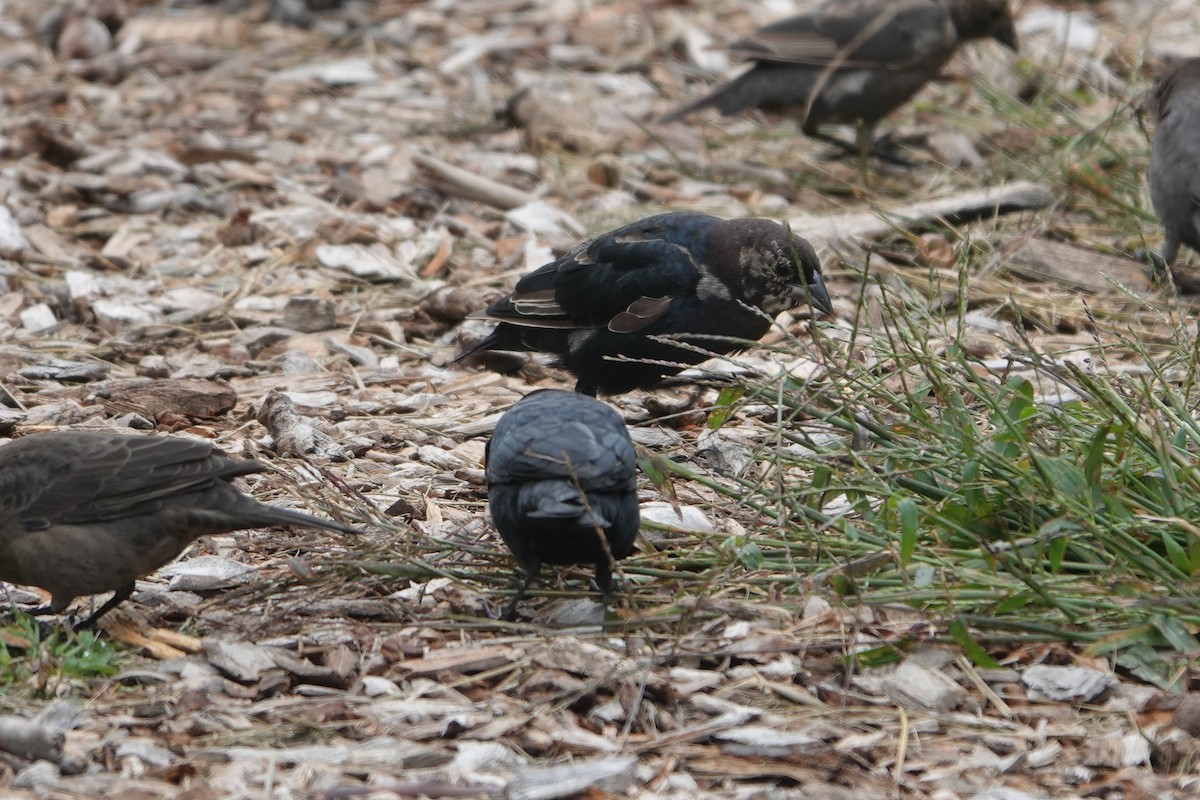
85,512
853,61
562,489
1175,156
601,308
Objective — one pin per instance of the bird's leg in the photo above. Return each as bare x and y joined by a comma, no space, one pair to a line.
604,581
864,140
828,138
583,387
863,146
119,597
1159,268
531,573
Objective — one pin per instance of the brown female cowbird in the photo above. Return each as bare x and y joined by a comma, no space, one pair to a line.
601,307
561,485
853,61
1175,156
85,512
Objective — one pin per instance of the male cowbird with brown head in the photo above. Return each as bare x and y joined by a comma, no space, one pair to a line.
562,489
853,61
1175,156
601,309
85,512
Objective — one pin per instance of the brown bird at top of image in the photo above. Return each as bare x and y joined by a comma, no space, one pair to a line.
86,512
1175,156
853,61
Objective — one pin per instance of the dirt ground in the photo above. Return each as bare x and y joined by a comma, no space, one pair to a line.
221,206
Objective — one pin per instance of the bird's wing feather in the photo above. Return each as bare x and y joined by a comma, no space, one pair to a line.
872,36
624,280
68,477
546,440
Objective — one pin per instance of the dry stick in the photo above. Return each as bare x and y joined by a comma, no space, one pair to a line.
828,229
470,185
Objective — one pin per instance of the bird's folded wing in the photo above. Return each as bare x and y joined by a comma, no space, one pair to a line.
623,281
575,451
888,35
75,478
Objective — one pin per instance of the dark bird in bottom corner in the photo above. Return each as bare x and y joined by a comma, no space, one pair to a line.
85,512
562,488
713,284
853,61
1175,156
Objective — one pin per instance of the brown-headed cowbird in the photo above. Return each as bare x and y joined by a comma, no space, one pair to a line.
853,61
561,477
601,307
1175,156
85,512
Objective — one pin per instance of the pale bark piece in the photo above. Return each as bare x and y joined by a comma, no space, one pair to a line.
825,229
1066,684
613,775
1116,750
12,239
242,661
687,518
1075,267
916,687
31,740
217,29
207,574
585,658
464,661
293,433
590,124
160,399
764,742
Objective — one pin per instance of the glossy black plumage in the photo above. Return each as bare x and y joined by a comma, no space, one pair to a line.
682,273
853,61
85,512
1175,156
562,489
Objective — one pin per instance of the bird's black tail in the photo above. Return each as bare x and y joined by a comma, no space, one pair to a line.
729,98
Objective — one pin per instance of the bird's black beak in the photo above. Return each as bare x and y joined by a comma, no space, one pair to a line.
818,295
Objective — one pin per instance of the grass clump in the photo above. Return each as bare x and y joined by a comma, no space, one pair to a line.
49,661
1030,498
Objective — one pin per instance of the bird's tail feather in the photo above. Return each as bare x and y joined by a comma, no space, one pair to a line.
561,500
729,98
273,515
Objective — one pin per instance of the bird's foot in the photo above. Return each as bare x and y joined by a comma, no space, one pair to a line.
510,611
882,149
1170,276
886,149
531,573
1159,269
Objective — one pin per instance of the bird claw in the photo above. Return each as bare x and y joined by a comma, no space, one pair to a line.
1160,270
880,149
510,611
